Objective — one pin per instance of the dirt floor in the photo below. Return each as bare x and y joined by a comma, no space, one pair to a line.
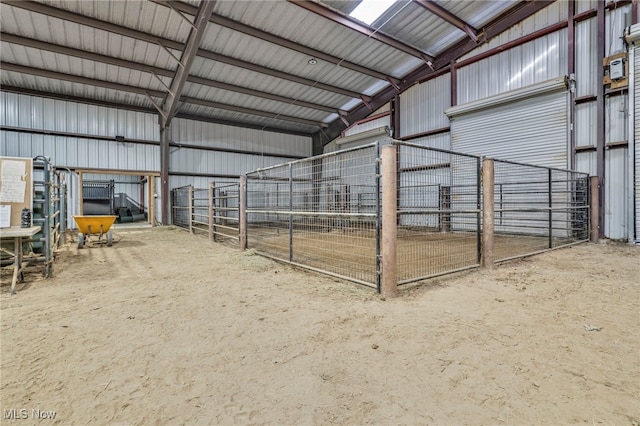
167,328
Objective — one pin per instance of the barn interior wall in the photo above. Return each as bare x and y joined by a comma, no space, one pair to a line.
81,136
422,106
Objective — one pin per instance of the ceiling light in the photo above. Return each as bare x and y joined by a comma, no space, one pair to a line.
312,61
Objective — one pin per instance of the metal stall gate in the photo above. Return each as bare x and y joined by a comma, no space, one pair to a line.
321,213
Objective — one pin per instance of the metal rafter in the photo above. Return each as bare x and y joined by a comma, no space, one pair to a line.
277,40
171,44
83,54
517,13
171,102
130,107
7,66
268,114
39,72
449,17
357,26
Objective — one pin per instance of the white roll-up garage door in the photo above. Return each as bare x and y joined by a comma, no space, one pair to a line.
527,125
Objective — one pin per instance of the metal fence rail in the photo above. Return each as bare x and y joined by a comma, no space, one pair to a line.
224,211
538,208
321,213
213,211
325,213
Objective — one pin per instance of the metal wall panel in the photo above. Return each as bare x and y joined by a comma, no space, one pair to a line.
534,62
616,119
185,160
531,130
82,153
616,21
422,106
586,123
586,163
552,14
231,137
441,141
33,112
616,225
588,71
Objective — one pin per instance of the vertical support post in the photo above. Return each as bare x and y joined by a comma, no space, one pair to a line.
151,180
594,208
242,225
487,213
80,195
479,209
454,83
164,173
212,236
378,206
601,115
290,212
389,221
571,70
190,208
550,189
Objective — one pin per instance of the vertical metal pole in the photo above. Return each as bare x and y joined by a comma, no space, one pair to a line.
80,194
164,173
190,208
47,228
290,212
487,213
378,220
212,236
550,189
594,207
151,180
389,221
242,218
601,116
571,70
479,209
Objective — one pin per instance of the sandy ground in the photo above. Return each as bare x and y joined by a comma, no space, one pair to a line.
167,328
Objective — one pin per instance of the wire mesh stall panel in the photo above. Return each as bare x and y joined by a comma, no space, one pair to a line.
321,213
438,212
538,208
180,207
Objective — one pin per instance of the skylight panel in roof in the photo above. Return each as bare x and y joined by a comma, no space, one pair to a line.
370,10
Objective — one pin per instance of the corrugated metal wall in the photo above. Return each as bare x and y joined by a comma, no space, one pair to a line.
536,61
31,112
533,62
422,106
636,91
266,145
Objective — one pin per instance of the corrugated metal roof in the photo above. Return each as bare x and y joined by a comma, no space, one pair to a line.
273,40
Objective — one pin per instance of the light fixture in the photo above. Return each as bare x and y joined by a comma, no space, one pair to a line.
312,61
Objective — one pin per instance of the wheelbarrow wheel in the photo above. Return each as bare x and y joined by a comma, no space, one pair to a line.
80,240
109,239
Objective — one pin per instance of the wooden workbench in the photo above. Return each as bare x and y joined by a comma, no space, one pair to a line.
17,233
